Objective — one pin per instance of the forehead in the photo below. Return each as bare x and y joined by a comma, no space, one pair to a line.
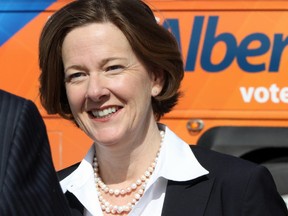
96,33
96,38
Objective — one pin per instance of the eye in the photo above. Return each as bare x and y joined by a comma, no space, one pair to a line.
75,77
114,68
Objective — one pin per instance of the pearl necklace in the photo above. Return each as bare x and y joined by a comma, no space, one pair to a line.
139,184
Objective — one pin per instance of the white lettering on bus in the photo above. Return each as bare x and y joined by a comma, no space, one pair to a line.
264,94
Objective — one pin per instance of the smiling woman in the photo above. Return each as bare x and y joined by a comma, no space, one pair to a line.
115,79
104,81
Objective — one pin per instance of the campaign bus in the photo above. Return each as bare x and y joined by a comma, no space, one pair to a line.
235,57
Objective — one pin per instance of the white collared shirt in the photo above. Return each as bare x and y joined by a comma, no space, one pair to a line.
176,162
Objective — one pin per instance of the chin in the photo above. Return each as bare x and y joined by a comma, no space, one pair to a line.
106,140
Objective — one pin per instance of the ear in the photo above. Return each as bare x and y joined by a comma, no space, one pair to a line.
157,83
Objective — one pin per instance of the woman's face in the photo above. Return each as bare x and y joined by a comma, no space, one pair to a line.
109,90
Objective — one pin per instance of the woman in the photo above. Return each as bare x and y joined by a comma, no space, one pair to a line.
110,68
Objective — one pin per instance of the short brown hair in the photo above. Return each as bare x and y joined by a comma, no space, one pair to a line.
152,44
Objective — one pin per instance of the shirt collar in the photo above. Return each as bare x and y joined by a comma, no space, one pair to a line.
81,184
176,160
81,175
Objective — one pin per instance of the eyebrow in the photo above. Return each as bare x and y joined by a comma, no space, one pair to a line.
105,61
102,63
77,67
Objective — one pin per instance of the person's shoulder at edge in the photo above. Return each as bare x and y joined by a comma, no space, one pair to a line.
10,101
4,95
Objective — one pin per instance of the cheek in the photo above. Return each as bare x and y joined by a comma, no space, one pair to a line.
75,98
132,89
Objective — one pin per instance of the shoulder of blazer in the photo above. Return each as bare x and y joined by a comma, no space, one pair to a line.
67,171
225,168
213,160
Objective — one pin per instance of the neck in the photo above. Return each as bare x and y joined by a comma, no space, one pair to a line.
130,194
121,164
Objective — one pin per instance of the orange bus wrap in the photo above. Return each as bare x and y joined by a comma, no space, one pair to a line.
234,52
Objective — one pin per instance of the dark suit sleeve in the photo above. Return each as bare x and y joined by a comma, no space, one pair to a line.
261,196
30,185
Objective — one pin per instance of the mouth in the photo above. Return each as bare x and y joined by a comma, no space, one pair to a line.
103,113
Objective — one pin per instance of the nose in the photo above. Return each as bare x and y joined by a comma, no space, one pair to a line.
97,89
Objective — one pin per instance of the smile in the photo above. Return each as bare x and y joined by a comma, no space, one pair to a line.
104,113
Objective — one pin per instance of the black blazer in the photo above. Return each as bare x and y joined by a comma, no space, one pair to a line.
28,182
233,187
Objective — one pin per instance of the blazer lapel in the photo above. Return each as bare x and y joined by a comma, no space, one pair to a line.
187,198
77,209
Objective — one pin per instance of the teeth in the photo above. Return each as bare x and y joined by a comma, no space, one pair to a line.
104,113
